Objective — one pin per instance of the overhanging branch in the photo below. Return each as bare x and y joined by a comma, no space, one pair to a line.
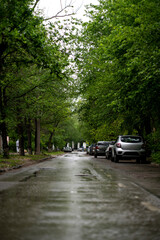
60,16
35,5
57,14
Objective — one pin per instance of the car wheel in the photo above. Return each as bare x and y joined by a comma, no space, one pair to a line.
112,158
138,160
116,158
143,160
95,155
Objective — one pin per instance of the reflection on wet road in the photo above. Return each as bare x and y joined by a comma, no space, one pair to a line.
74,197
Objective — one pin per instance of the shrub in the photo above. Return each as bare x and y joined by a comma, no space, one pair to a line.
156,157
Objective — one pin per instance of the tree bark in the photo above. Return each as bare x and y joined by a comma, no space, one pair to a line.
4,140
21,139
37,136
50,142
29,134
3,126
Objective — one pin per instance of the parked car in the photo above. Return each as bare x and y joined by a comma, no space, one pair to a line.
100,148
129,147
108,151
92,149
67,149
80,149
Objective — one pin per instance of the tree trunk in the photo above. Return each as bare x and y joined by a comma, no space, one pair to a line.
50,142
37,136
29,134
4,140
21,139
3,127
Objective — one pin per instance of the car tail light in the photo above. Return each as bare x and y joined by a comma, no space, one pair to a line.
118,145
97,147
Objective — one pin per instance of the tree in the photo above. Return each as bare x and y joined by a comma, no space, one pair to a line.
118,61
27,47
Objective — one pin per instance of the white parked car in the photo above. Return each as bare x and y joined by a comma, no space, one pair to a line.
67,149
129,147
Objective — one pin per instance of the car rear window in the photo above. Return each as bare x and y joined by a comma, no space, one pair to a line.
103,143
131,139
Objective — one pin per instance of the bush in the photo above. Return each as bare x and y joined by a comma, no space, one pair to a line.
153,142
156,157
12,146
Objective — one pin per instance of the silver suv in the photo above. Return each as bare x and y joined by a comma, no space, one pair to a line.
129,147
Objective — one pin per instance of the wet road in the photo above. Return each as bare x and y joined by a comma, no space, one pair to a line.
74,197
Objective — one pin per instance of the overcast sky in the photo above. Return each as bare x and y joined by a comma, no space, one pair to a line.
51,7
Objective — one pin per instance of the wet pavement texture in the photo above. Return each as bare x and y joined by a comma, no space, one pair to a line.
74,197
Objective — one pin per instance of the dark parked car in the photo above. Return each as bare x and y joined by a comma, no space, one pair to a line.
101,148
129,147
92,149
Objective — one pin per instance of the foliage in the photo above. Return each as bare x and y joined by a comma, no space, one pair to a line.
154,141
35,77
68,131
156,157
116,56
118,62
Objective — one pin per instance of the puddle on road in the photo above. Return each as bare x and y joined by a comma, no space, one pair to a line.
121,185
36,173
70,155
85,177
29,177
150,207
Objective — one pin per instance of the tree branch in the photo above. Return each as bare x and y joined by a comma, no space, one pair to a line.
57,15
31,89
36,2
65,15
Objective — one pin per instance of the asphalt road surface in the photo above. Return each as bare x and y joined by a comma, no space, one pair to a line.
76,197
